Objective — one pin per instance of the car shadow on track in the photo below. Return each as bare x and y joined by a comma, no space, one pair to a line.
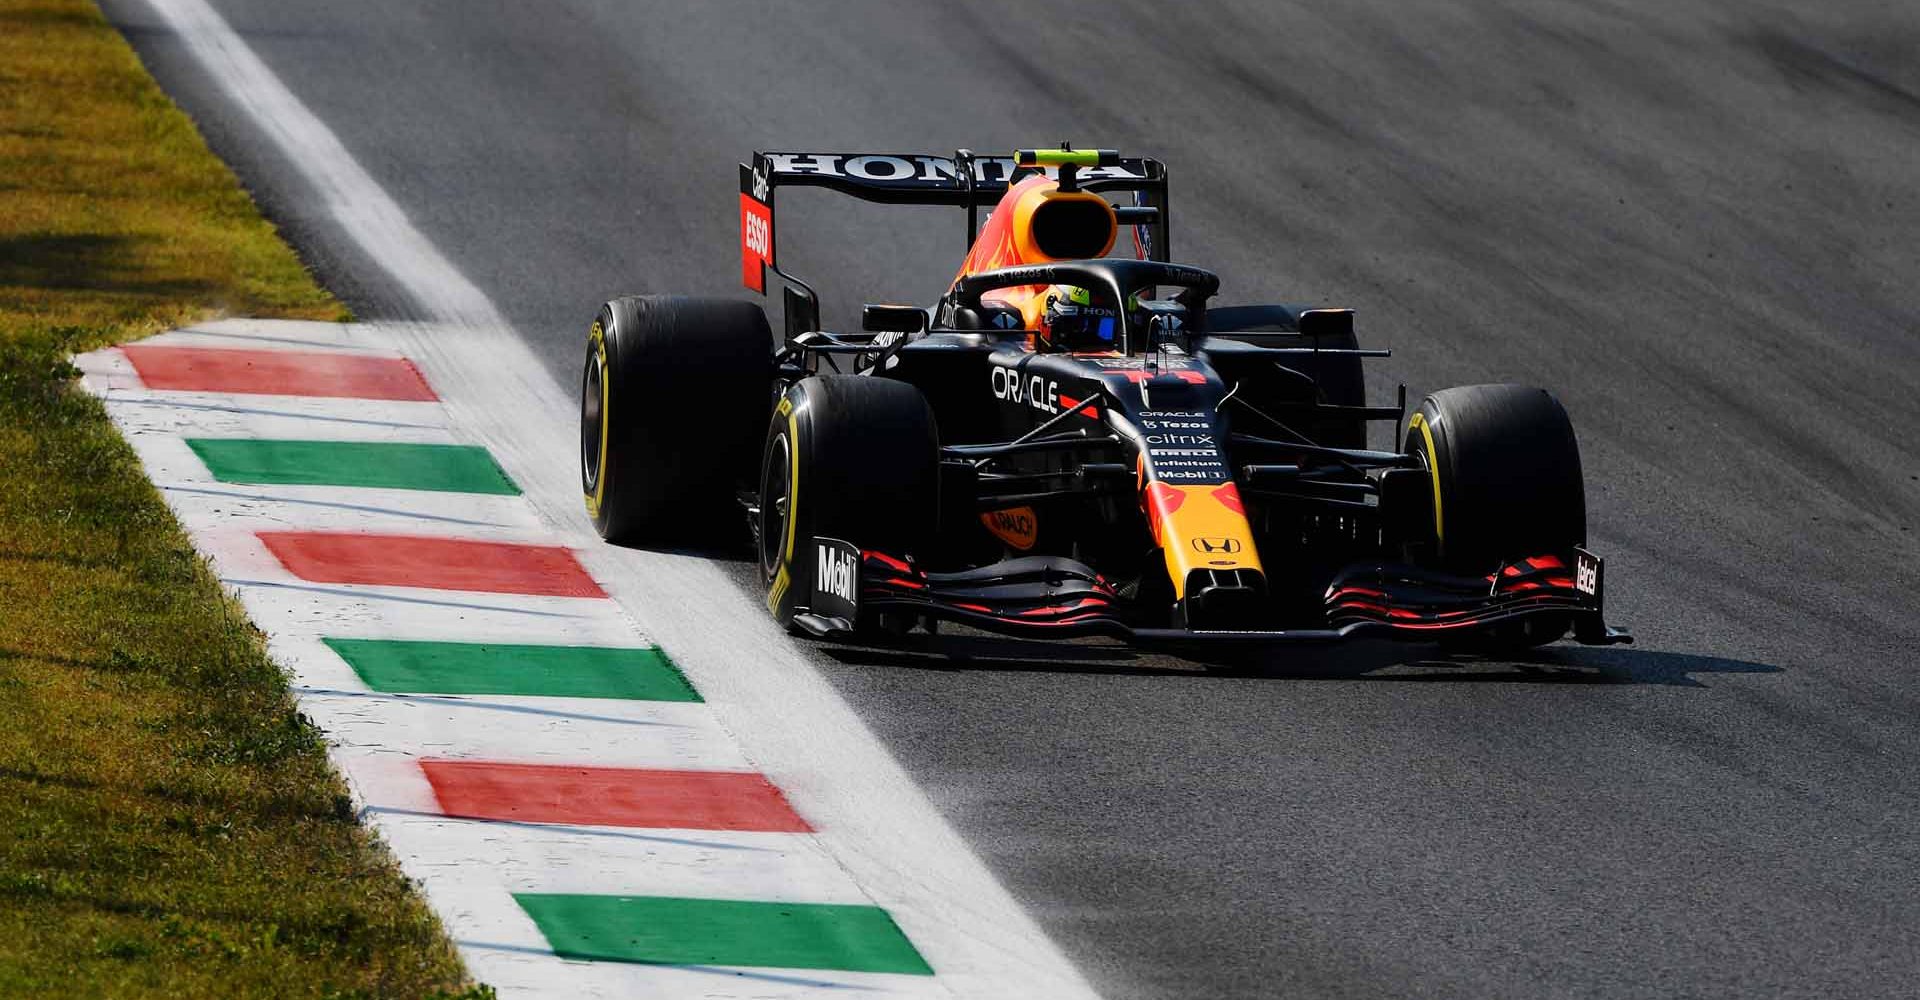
1356,661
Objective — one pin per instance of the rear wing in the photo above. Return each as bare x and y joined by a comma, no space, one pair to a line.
962,180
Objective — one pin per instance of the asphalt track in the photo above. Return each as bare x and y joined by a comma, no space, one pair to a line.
1694,221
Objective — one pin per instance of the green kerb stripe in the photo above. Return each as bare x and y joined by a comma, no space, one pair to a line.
664,930
452,468
410,667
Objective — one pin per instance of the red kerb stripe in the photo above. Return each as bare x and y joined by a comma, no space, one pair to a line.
436,563
277,373
611,796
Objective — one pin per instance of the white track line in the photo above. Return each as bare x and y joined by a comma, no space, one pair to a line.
606,732
715,864
321,508
287,335
879,825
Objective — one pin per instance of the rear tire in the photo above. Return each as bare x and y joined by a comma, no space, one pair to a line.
852,457
673,396
1507,485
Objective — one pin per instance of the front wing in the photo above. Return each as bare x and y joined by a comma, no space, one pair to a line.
1051,597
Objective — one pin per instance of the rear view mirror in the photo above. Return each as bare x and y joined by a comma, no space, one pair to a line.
1326,322
892,319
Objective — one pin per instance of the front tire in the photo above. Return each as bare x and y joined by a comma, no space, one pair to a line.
1507,484
673,397
851,457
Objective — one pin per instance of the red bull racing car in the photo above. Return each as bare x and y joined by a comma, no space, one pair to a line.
1073,442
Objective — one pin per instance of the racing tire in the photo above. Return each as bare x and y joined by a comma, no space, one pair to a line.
852,457
673,396
1507,485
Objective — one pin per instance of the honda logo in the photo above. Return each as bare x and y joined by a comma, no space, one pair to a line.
1215,546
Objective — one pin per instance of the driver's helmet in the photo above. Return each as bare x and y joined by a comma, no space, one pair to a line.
1072,322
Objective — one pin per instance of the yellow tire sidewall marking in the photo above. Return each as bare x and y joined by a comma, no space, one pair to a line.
597,343
1419,423
784,578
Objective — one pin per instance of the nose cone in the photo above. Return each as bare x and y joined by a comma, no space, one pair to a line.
1208,546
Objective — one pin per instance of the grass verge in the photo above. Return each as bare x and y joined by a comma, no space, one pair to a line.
168,824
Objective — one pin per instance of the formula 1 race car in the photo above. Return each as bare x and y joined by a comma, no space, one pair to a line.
1075,443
